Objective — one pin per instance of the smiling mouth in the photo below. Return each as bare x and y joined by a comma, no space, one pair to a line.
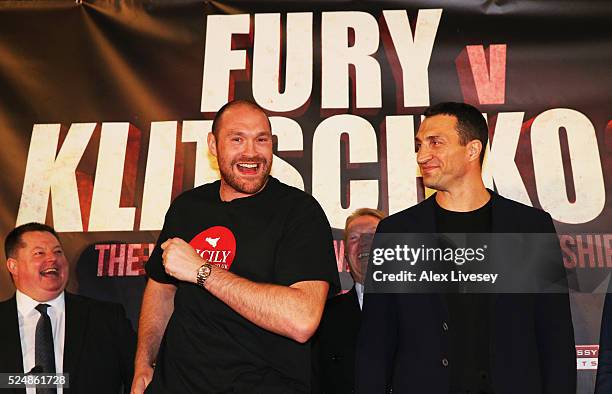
51,271
425,170
248,168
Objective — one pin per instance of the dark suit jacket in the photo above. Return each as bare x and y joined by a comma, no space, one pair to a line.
404,337
603,384
334,345
99,345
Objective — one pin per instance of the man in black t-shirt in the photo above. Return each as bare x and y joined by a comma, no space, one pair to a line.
239,276
472,343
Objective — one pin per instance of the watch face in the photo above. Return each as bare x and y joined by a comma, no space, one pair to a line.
203,274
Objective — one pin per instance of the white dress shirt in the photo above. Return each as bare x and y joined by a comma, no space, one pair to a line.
359,291
28,318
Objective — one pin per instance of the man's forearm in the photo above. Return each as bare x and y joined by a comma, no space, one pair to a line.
157,307
293,311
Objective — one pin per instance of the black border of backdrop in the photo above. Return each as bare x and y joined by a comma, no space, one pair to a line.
67,62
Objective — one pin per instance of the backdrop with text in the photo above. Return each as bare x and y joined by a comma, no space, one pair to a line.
106,105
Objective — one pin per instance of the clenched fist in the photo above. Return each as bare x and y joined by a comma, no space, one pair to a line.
181,260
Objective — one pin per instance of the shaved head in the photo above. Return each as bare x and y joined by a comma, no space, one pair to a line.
217,121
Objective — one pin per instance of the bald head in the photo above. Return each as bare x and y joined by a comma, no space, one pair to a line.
234,105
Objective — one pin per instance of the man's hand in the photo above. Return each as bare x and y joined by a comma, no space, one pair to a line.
181,260
292,311
157,306
142,378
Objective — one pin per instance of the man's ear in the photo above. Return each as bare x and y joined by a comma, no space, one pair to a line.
474,148
212,144
11,265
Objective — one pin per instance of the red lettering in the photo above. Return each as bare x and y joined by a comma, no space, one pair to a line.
130,269
569,258
101,249
116,262
481,84
585,252
607,244
599,250
119,262
340,261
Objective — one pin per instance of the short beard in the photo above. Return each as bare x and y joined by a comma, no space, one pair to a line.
243,186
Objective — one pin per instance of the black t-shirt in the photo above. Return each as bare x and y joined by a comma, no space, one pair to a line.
468,313
279,235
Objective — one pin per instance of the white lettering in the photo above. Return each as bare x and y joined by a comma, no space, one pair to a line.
414,54
47,172
337,55
326,165
584,159
290,138
267,56
159,173
401,162
500,161
106,214
206,169
220,59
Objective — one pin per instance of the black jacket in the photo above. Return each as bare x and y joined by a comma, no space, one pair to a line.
99,345
603,383
334,345
404,337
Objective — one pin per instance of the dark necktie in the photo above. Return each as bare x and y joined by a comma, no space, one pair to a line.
44,353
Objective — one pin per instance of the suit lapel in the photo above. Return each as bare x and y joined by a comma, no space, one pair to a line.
500,223
10,342
354,301
77,318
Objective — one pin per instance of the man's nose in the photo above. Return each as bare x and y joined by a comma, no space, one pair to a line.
249,148
423,155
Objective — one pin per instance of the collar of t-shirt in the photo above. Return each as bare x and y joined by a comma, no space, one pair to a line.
476,221
271,183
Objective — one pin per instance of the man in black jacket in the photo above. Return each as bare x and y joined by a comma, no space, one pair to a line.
48,330
464,343
335,341
603,383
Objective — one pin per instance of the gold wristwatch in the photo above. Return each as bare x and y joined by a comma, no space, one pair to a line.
203,274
